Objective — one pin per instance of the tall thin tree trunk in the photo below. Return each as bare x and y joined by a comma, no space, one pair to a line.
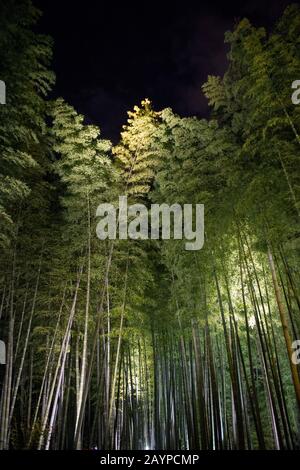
284,323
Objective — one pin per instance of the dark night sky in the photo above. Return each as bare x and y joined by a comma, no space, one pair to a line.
109,55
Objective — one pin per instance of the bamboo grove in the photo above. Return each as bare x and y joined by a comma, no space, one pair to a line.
140,344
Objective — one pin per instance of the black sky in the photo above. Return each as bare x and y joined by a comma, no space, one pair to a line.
109,55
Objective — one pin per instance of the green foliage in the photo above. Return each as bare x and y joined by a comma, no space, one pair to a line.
24,62
155,326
